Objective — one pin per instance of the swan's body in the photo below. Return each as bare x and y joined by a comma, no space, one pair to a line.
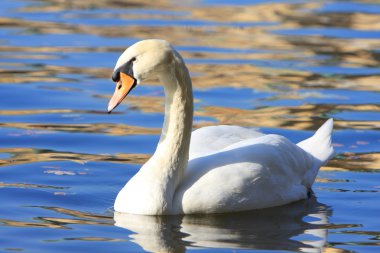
230,168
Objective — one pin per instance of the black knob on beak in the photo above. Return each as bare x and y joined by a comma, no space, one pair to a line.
116,76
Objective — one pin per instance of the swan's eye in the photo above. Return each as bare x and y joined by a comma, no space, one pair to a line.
133,59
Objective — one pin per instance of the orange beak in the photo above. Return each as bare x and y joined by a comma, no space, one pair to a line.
123,87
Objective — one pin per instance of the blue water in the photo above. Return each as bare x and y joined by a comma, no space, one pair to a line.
281,66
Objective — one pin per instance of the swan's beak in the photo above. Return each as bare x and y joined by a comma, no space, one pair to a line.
123,87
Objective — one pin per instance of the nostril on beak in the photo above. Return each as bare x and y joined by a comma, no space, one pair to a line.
116,76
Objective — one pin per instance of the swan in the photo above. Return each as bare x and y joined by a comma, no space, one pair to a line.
216,169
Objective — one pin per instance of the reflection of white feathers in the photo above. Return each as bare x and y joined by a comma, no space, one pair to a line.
269,229
230,168
319,233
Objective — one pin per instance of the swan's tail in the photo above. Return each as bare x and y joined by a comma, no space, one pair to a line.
319,145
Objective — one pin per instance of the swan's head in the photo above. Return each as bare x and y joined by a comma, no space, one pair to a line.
143,60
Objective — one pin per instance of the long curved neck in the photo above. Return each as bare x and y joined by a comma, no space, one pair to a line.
176,131
170,159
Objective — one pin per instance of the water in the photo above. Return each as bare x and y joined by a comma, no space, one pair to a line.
282,66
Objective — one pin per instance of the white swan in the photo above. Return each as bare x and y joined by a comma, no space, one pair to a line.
231,168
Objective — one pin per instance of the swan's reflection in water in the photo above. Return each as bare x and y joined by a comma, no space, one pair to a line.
301,226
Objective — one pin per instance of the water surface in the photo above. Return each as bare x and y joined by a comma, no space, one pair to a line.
282,66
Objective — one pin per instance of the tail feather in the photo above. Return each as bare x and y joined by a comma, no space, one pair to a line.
319,145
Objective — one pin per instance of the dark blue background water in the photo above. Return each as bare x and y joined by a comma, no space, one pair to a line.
282,66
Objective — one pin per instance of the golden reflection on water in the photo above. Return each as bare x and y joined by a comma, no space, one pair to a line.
112,129
76,217
24,185
356,162
285,117
359,52
31,155
248,37
279,15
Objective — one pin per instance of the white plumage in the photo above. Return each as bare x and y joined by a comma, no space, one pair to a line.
223,168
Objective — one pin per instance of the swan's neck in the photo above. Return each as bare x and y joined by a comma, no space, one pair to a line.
170,159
